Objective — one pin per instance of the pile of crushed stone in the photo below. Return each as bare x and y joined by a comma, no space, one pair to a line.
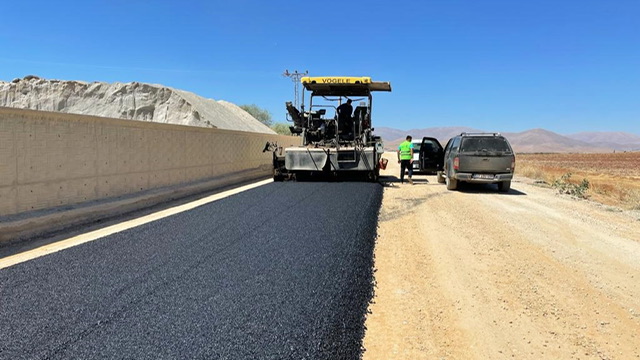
133,101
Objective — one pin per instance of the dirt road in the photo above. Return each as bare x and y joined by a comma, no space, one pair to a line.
476,274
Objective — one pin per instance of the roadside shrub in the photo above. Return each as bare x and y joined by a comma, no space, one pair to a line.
565,186
262,115
632,198
614,178
281,128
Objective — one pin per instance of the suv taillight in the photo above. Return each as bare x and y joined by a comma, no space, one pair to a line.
513,164
456,163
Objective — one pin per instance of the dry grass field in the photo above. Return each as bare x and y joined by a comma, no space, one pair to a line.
614,178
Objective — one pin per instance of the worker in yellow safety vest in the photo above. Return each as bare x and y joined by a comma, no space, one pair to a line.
405,158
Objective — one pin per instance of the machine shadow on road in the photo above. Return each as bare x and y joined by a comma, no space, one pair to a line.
343,177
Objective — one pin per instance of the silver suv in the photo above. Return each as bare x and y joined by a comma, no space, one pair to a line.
478,158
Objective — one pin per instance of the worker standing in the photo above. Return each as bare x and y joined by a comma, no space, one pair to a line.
405,158
344,111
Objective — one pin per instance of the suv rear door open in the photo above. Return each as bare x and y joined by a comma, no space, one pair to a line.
431,155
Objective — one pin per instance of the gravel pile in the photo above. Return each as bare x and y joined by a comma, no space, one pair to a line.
132,101
283,271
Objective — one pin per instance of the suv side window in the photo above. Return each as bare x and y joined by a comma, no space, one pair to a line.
448,146
456,144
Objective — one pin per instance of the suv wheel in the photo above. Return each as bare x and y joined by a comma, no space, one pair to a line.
452,184
504,186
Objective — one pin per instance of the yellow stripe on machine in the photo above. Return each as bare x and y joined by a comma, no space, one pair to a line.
336,80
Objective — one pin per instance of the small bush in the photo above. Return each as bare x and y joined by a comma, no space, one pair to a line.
565,186
281,128
632,198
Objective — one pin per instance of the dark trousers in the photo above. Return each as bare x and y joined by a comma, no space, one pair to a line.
405,164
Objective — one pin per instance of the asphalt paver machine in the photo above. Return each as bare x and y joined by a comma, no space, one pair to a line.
332,144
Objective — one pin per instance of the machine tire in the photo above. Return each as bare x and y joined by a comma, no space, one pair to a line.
302,176
504,186
440,177
452,184
372,176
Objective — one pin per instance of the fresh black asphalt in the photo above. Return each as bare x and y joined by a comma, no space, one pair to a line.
283,271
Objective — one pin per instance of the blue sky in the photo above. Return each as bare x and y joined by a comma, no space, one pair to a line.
497,65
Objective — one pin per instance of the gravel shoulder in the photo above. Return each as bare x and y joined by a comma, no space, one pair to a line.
476,274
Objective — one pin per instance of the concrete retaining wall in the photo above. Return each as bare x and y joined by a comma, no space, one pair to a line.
50,160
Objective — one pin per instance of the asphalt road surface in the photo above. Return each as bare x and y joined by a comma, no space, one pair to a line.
283,271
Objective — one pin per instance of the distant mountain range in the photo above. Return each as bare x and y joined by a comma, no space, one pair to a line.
534,140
